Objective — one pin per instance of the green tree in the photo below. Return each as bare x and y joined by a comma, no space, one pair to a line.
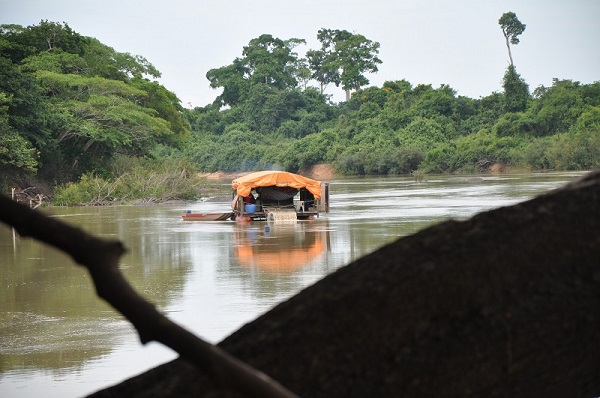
26,105
429,102
516,91
232,79
94,117
16,153
57,61
46,37
10,47
303,73
102,60
422,134
511,29
307,151
165,103
267,107
265,60
73,103
324,69
272,61
344,59
558,107
516,124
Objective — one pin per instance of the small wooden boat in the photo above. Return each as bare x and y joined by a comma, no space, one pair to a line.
189,216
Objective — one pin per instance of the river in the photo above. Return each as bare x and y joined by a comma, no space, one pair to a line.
57,339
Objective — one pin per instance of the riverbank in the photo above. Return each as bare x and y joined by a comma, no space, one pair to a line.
323,171
138,190
95,191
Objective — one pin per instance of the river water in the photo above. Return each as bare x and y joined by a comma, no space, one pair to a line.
57,339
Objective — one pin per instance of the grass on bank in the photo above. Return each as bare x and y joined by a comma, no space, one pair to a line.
135,180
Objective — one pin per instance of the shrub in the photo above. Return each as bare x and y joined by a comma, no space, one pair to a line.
140,179
89,190
580,151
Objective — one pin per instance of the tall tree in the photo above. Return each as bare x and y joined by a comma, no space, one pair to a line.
232,79
344,58
323,69
511,29
272,61
265,60
302,73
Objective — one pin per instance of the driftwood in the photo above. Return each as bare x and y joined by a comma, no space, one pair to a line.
29,195
101,258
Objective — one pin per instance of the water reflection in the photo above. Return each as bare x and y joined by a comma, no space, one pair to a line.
211,277
280,247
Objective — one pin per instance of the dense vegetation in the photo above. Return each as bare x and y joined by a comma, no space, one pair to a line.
77,114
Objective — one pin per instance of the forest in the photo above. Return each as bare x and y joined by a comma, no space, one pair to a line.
94,126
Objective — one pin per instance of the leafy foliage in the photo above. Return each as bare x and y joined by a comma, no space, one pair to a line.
135,179
512,28
400,128
16,153
73,109
343,59
516,91
266,61
71,103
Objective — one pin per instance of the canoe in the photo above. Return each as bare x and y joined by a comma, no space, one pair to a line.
206,216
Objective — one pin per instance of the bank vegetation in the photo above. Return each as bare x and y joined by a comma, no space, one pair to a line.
95,126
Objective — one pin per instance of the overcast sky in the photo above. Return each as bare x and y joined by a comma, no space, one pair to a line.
453,42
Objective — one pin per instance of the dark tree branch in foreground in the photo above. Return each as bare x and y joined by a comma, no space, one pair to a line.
101,258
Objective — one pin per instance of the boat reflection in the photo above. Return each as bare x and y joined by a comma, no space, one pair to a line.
281,247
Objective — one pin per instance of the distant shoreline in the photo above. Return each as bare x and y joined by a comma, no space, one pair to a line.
322,171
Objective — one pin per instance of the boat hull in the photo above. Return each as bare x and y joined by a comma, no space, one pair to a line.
206,216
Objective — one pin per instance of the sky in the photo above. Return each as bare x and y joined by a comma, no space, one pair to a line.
454,42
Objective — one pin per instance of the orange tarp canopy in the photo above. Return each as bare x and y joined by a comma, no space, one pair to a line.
245,184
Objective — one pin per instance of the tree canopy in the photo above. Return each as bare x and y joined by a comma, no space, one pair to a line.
72,108
266,60
69,103
512,28
343,59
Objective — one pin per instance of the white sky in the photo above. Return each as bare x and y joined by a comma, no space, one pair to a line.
454,42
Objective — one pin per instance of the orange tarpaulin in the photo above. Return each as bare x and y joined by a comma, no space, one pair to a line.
245,184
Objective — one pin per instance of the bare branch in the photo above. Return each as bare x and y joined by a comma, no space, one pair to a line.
101,258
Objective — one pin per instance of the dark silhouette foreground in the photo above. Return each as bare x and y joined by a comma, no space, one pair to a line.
506,304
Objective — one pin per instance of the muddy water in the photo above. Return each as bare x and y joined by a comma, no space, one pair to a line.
58,340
